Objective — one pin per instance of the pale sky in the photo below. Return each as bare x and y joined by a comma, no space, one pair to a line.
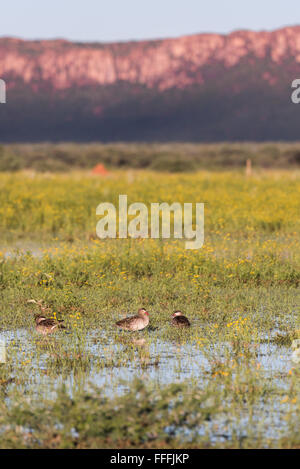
113,20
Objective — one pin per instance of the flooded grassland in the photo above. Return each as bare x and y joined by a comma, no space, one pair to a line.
230,380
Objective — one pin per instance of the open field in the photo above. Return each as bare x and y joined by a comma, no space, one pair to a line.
228,381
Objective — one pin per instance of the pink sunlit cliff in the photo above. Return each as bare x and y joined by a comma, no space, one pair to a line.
200,87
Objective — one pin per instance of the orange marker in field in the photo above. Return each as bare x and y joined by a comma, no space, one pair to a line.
100,169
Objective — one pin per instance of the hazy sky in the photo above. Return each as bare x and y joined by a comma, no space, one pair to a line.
111,20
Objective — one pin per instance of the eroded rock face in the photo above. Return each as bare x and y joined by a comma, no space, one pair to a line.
163,64
206,87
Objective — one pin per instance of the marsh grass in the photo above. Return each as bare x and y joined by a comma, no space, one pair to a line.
52,207
285,339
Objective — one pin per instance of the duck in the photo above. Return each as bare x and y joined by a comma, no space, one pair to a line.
47,326
135,323
43,324
179,320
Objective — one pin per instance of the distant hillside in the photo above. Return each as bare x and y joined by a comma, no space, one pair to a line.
205,87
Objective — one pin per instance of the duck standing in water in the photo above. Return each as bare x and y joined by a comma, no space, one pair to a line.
47,326
179,320
135,323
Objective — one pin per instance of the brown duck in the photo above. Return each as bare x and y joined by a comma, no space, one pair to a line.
47,326
179,320
135,323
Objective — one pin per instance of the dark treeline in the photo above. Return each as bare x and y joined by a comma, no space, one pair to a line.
172,157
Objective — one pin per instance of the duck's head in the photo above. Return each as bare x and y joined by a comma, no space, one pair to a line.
176,313
142,312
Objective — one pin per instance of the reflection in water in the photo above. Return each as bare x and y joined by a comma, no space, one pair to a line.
296,351
139,344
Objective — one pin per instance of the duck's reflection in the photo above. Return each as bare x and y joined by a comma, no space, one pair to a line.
140,342
136,344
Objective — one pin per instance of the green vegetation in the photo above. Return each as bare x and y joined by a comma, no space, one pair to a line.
172,157
39,207
228,381
143,417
